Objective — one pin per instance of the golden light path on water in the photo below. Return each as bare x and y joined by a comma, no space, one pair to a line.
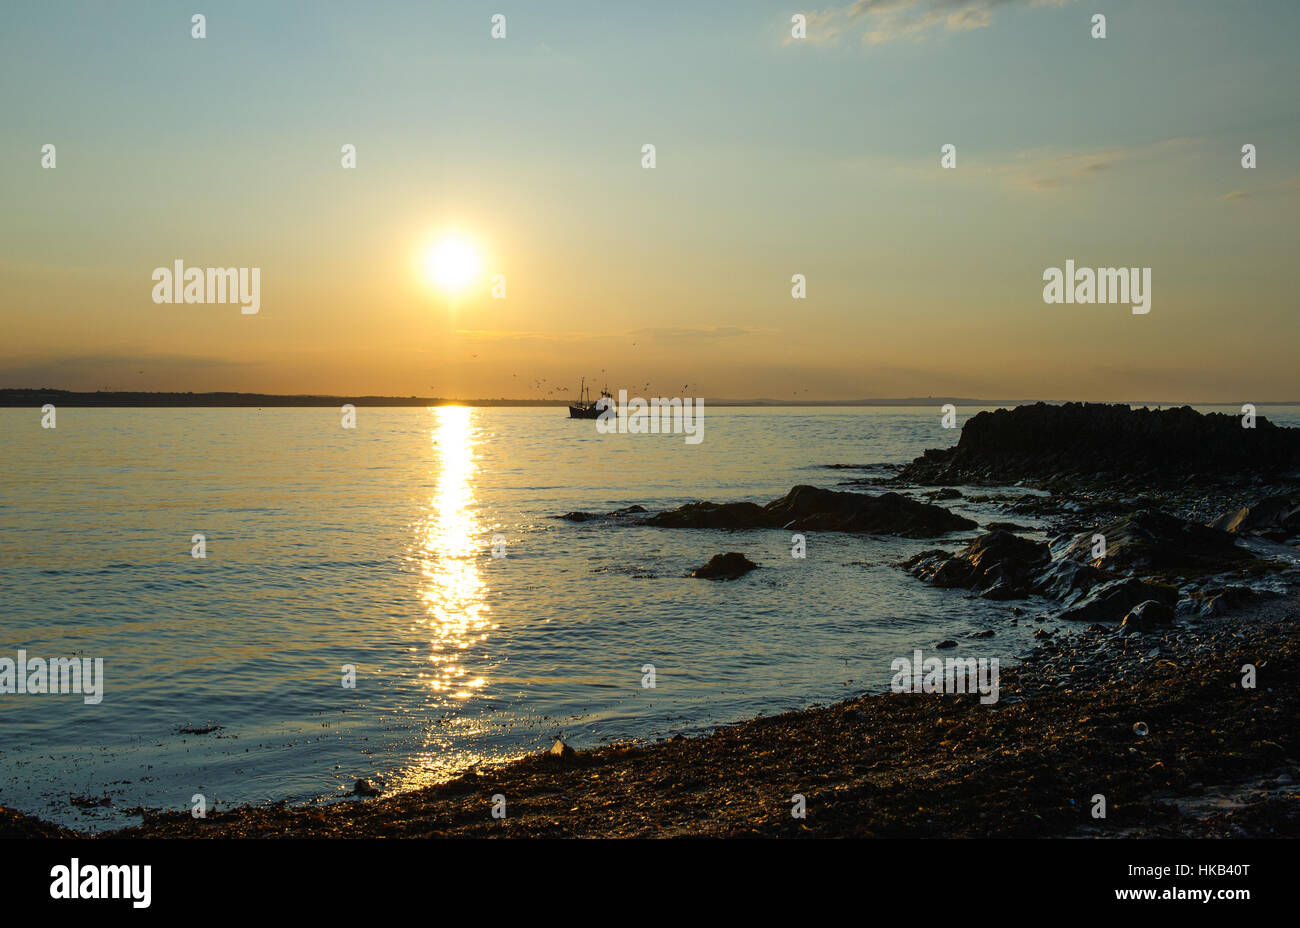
447,546
452,589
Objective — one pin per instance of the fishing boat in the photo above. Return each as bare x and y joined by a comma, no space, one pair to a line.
585,408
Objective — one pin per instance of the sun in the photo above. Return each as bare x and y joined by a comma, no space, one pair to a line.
452,264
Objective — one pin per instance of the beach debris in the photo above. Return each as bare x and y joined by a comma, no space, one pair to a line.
198,730
1140,729
90,802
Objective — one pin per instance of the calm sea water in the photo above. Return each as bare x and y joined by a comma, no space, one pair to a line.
373,548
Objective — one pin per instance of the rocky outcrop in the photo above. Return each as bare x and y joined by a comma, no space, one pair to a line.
1091,440
998,565
807,508
1148,616
1068,581
1113,600
1223,600
727,566
1149,540
713,515
1275,517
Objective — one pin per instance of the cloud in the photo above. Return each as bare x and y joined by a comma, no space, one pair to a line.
880,21
1039,169
127,371
721,331
1044,170
678,332
1285,188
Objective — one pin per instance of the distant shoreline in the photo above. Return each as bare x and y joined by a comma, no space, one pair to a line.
27,397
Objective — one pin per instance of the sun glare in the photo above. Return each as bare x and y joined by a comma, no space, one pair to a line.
451,264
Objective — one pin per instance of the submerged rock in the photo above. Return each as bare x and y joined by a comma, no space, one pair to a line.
616,514
727,566
807,508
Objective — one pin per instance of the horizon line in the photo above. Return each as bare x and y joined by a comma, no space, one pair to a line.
141,398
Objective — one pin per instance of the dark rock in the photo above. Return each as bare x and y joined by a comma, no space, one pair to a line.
1087,439
1147,616
945,493
1111,602
1067,580
998,564
1223,600
727,566
616,514
1275,517
714,515
985,633
561,751
813,509
1003,591
946,643
807,508
1152,540
364,787
1007,527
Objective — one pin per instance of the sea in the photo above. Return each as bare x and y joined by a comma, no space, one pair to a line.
401,600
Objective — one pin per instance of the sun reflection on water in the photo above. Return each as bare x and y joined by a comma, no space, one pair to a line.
448,548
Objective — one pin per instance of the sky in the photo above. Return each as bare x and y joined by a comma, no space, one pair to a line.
774,156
